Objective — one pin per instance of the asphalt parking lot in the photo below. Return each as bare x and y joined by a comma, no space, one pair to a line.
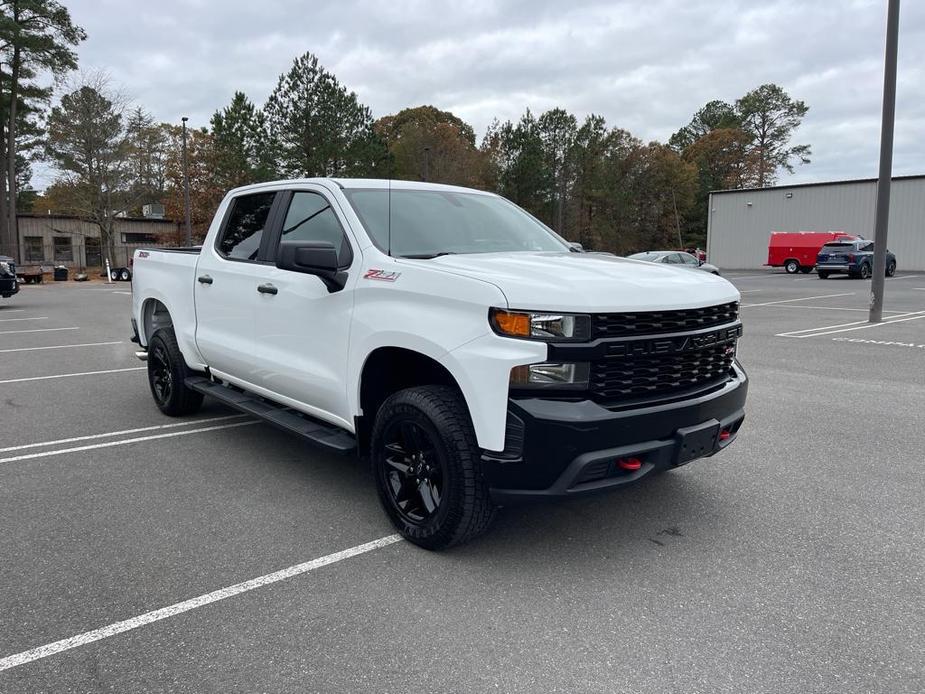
791,562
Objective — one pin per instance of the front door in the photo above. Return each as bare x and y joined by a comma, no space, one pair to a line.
302,328
226,287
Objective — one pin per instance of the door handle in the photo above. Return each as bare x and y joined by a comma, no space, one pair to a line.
204,279
267,288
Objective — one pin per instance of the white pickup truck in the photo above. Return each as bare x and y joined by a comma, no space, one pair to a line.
471,353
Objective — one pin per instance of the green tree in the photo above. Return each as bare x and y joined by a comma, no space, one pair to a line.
769,115
557,131
36,36
240,140
146,152
317,128
715,115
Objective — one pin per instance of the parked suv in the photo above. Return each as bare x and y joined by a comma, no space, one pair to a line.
855,257
8,282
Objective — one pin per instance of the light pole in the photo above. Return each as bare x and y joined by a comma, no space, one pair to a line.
882,220
186,204
426,163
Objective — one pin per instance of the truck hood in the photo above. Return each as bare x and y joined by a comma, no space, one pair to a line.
588,282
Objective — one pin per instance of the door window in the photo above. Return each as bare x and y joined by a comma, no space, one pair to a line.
688,259
310,218
240,239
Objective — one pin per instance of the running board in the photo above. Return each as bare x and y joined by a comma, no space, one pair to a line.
316,431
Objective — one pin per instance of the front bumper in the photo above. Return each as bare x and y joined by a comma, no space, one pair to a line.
571,448
8,287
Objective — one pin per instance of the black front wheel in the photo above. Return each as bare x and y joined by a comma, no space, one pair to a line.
166,374
426,464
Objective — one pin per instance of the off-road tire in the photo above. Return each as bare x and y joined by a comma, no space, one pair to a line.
465,509
167,372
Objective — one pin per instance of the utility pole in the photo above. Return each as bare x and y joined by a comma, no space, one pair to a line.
186,204
426,163
882,220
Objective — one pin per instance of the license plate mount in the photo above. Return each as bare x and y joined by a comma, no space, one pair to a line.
696,441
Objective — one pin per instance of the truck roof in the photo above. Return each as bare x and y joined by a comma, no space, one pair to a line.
375,183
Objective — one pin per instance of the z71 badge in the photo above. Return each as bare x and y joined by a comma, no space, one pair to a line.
372,274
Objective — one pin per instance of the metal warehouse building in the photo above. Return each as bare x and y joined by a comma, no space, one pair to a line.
740,221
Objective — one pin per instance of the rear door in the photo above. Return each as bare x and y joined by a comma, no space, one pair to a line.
302,328
226,286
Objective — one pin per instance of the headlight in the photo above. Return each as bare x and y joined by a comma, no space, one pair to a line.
552,327
5,267
571,376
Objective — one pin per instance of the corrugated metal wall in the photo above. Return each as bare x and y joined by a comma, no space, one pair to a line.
737,234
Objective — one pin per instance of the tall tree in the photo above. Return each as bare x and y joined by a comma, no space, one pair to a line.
427,143
88,144
240,142
317,128
146,152
35,36
770,116
715,115
557,130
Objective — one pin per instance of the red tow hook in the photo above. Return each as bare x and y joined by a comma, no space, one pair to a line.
725,435
629,464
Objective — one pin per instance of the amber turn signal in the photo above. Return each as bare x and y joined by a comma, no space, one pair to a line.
514,324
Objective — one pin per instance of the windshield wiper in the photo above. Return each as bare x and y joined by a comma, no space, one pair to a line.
427,256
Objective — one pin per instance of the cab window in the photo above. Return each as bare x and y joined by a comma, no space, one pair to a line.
311,218
240,238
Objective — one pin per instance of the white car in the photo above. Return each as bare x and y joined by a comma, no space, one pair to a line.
676,258
470,352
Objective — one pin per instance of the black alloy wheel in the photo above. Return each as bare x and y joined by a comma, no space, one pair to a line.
167,371
160,373
415,470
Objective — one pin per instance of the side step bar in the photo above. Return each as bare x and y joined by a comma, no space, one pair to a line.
316,431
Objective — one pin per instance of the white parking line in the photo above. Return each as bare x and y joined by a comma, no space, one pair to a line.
83,639
35,330
10,320
750,291
83,344
836,308
107,434
122,442
790,301
13,310
829,329
82,373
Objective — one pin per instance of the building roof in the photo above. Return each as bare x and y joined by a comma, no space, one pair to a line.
815,184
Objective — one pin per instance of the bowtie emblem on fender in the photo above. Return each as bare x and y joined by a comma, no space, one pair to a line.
382,275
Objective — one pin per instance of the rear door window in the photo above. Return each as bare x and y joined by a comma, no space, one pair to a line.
241,236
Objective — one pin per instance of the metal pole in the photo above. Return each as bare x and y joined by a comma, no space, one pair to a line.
186,203
886,163
426,163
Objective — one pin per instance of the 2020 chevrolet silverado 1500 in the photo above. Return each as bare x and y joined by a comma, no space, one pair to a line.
475,356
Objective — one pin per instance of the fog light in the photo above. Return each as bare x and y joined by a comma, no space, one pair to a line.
629,464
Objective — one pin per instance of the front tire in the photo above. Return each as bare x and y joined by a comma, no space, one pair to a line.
167,371
823,275
891,268
865,271
792,267
806,270
426,464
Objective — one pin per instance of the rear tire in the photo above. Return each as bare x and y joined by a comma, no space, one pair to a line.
426,465
792,266
806,269
167,371
125,275
891,268
865,271
823,275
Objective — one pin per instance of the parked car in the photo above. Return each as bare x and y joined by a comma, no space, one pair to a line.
678,258
796,251
856,258
473,355
9,285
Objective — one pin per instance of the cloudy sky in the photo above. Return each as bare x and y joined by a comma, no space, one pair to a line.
645,66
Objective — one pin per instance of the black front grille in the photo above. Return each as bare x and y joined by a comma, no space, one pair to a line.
660,375
661,322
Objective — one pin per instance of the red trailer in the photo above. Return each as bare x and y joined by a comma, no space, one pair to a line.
796,251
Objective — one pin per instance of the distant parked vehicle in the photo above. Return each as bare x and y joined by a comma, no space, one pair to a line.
679,258
8,282
796,251
854,257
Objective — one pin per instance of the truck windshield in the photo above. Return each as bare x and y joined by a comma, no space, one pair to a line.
428,223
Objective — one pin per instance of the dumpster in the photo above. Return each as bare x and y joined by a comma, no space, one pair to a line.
60,274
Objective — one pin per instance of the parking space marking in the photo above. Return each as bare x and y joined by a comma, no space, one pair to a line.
790,301
81,373
123,432
82,344
855,325
837,308
750,291
885,343
123,442
141,620
34,330
10,320
13,310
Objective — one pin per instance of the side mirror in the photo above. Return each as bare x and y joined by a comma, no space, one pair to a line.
317,258
700,262
576,247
